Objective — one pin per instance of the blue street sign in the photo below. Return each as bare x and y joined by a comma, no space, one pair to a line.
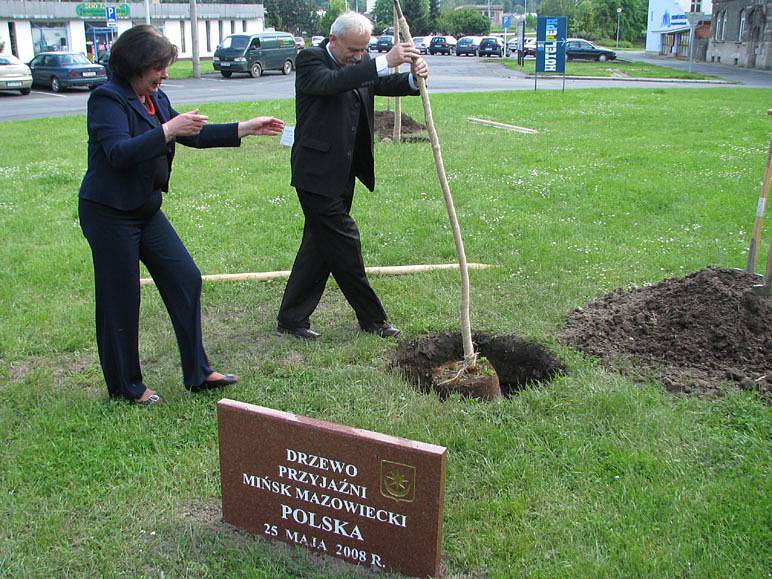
505,21
111,16
551,43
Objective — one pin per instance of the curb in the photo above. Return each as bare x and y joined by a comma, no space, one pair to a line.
637,79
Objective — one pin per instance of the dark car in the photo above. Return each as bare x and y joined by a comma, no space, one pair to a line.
467,46
255,53
442,45
581,49
385,43
59,70
490,46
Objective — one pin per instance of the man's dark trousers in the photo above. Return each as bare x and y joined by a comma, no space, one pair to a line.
330,245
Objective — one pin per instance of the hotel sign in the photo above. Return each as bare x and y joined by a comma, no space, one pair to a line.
551,43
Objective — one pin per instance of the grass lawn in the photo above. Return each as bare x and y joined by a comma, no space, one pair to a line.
184,68
608,69
589,476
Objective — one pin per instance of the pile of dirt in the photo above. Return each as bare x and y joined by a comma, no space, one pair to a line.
517,362
383,125
693,334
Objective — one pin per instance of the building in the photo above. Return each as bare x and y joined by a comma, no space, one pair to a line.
741,33
28,27
668,31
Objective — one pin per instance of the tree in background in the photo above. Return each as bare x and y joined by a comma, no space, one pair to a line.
296,16
416,13
464,21
334,9
598,18
383,15
434,14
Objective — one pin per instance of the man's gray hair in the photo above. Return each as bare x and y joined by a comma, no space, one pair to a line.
351,22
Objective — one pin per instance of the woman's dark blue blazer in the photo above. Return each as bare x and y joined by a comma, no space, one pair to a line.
125,146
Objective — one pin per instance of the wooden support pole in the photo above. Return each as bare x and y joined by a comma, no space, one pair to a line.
503,126
376,270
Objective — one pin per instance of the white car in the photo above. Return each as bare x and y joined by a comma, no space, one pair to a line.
422,43
14,74
316,40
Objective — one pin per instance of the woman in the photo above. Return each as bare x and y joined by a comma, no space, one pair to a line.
132,131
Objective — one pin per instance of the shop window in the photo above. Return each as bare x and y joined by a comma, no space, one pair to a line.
49,37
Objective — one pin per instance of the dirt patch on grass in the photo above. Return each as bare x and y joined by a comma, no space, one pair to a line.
517,362
383,125
693,334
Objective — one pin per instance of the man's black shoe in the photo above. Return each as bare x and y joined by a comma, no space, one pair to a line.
304,333
382,329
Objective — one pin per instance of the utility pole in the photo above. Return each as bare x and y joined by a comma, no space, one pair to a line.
194,38
619,14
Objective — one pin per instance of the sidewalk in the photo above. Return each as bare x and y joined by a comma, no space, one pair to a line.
734,74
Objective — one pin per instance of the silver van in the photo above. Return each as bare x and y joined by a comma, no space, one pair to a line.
255,53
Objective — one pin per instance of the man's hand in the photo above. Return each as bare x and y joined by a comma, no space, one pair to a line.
402,53
419,67
184,125
261,126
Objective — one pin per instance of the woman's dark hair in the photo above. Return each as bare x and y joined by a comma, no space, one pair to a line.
139,49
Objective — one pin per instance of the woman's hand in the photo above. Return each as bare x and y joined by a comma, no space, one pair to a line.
184,125
261,126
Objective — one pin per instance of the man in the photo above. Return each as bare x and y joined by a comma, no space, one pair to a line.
335,88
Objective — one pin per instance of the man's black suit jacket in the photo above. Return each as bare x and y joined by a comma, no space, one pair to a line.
127,149
327,119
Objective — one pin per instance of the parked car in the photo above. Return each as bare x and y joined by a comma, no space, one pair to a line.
529,47
385,43
14,74
300,42
581,49
513,44
373,44
255,53
58,70
316,40
422,43
442,45
467,45
490,46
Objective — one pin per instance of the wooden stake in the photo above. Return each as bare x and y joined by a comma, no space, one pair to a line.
470,356
376,270
397,130
503,126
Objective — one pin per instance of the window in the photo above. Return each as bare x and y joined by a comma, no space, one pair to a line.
696,6
741,26
243,25
182,37
233,26
49,36
723,26
208,26
220,31
717,27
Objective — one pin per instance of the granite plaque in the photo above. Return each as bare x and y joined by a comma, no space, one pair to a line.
367,498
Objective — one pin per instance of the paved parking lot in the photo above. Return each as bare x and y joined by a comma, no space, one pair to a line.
448,74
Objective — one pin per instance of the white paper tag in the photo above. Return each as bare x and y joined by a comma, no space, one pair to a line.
288,136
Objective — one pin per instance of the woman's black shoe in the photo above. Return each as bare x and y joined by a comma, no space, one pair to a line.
227,380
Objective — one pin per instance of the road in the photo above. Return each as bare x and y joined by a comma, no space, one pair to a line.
448,74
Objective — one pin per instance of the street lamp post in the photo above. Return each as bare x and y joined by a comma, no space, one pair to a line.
619,14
